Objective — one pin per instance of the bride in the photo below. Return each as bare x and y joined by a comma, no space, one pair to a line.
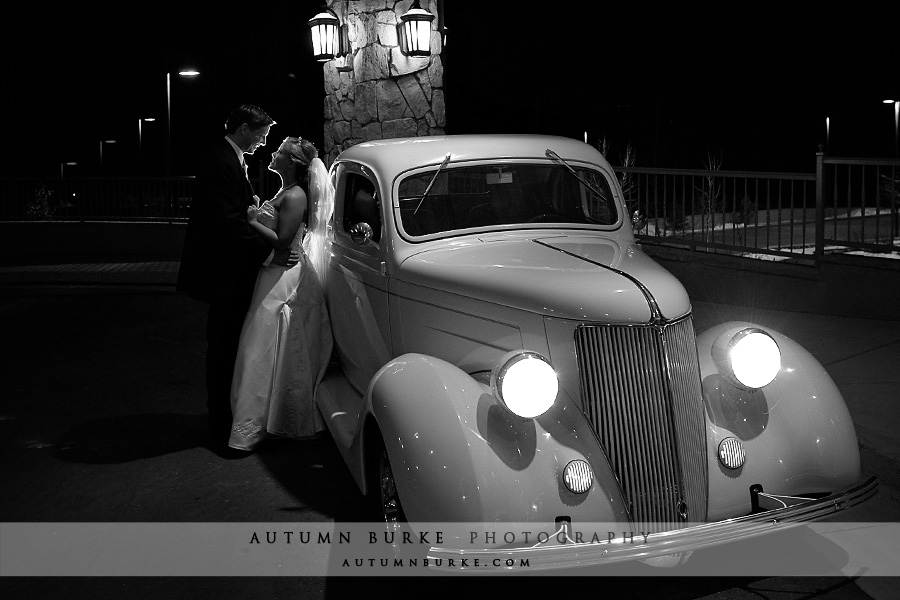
286,341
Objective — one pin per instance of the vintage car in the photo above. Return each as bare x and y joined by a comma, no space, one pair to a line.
509,354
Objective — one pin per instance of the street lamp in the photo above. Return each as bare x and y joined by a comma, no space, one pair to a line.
896,104
183,73
62,168
101,150
141,138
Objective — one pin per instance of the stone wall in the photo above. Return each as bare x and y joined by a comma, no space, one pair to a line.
376,92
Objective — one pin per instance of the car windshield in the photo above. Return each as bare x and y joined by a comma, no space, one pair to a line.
505,194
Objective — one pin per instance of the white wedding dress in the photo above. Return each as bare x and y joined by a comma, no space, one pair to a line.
284,349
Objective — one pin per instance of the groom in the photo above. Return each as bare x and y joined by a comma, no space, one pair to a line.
222,254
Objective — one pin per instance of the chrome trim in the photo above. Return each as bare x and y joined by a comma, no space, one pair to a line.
640,390
570,555
656,316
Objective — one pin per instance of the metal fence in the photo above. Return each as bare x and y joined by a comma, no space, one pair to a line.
96,198
106,198
860,204
846,205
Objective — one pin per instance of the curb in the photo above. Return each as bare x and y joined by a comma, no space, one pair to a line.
148,273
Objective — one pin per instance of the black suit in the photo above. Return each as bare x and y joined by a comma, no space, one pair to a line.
219,265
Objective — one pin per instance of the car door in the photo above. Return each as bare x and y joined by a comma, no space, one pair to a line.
357,285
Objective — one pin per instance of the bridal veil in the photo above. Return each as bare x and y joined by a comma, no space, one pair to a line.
321,207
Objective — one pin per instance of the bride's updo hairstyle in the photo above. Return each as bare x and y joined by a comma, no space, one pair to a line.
302,153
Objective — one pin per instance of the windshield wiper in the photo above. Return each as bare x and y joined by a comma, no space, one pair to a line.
551,154
431,183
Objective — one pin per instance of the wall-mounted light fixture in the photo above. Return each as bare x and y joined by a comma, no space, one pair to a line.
414,31
330,39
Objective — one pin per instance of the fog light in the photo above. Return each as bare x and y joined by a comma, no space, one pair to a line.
578,476
731,453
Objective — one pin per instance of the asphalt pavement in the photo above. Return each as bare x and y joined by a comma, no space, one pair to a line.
104,406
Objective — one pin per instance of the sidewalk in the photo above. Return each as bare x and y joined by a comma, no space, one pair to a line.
146,273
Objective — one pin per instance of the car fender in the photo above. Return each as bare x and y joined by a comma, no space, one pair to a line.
458,455
796,432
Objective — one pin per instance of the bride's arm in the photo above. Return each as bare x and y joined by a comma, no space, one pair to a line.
290,217
268,236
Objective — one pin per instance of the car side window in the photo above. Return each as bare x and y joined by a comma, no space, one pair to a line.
361,204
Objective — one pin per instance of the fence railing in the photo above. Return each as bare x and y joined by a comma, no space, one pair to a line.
846,205
106,198
860,204
96,198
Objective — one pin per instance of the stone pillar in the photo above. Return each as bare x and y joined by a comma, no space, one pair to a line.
376,92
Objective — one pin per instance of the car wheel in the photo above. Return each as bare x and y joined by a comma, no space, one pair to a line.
391,509
396,528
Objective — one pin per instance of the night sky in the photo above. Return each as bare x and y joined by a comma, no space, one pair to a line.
753,86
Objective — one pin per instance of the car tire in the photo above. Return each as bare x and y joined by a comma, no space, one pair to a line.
386,499
391,509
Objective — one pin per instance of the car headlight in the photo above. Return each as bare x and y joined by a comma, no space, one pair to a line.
749,357
525,383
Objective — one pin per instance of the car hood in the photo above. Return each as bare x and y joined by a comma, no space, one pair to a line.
569,277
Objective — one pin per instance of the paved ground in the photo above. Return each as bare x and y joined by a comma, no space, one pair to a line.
103,407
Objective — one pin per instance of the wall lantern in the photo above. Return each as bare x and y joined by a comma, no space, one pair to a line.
329,38
414,31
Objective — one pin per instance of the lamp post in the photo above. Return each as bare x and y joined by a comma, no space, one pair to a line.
101,150
896,104
183,73
141,139
62,168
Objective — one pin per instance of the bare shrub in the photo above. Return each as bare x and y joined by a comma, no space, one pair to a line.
38,206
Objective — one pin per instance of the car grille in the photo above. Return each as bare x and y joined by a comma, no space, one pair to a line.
641,393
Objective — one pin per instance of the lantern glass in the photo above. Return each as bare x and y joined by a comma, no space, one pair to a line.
324,28
418,36
415,31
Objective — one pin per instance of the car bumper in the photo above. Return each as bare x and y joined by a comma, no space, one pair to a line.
554,555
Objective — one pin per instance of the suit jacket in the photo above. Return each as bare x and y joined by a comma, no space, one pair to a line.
221,250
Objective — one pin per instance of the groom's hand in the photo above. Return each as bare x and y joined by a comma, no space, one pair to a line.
287,257
293,257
